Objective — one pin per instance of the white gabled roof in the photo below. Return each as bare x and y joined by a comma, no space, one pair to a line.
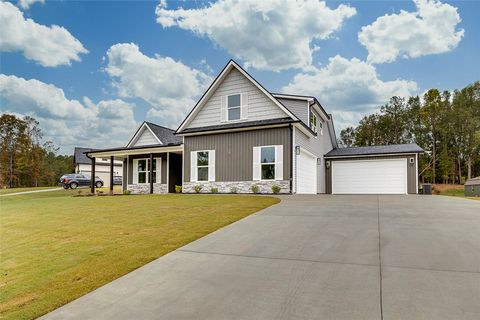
231,65
139,132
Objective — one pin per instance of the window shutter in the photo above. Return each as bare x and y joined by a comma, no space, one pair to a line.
135,171
279,162
244,106
256,163
223,109
193,166
211,165
158,170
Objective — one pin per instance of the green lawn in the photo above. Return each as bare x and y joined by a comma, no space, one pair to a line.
452,191
55,247
14,190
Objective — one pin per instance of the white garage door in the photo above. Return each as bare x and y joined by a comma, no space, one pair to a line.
386,176
306,173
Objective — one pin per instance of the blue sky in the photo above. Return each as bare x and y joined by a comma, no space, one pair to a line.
129,61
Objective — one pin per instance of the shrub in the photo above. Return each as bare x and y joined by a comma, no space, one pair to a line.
127,192
255,189
79,192
99,192
214,190
197,188
178,189
233,189
276,188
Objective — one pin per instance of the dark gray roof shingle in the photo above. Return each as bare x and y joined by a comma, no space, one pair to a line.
239,125
375,150
80,157
165,135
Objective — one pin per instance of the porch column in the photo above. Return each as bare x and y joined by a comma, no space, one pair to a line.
111,174
150,173
92,176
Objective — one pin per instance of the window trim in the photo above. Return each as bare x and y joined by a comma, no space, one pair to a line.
268,163
158,173
207,166
239,107
314,126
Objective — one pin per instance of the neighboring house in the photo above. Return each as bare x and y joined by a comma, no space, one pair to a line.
240,135
472,187
83,164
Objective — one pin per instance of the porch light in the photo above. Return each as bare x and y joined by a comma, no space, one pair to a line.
297,150
327,164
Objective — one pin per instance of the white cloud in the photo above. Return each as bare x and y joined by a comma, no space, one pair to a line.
169,86
348,88
49,46
25,4
272,35
429,30
68,122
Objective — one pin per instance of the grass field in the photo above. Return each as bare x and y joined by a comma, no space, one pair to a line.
55,247
15,190
453,190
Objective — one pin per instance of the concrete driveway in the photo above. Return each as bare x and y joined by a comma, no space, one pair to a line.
313,257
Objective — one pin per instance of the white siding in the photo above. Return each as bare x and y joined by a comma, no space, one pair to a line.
319,146
297,107
146,138
260,107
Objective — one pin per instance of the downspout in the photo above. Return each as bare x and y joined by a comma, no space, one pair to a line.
292,151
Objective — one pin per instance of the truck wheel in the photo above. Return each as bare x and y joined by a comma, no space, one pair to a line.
66,186
98,184
73,185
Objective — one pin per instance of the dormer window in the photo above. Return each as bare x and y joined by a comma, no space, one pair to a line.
233,107
313,122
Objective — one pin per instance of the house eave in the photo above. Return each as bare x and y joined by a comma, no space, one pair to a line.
122,152
373,155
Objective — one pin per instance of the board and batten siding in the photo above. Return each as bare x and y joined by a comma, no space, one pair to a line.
163,174
298,107
318,146
411,170
260,107
146,138
234,152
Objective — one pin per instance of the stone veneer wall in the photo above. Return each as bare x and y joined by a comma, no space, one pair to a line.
242,186
145,188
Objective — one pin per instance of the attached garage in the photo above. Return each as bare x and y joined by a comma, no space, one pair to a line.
389,169
306,173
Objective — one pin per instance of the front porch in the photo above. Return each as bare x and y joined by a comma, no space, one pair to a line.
146,169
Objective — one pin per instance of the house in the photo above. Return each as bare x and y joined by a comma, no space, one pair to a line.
83,164
239,136
472,187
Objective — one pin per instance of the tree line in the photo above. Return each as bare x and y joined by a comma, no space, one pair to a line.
26,161
445,124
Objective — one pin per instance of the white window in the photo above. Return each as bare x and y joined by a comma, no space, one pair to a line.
313,122
268,163
202,165
141,170
233,107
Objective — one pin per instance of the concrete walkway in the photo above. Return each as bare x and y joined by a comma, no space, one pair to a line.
312,257
27,192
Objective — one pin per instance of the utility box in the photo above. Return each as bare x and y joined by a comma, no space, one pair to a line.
472,187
